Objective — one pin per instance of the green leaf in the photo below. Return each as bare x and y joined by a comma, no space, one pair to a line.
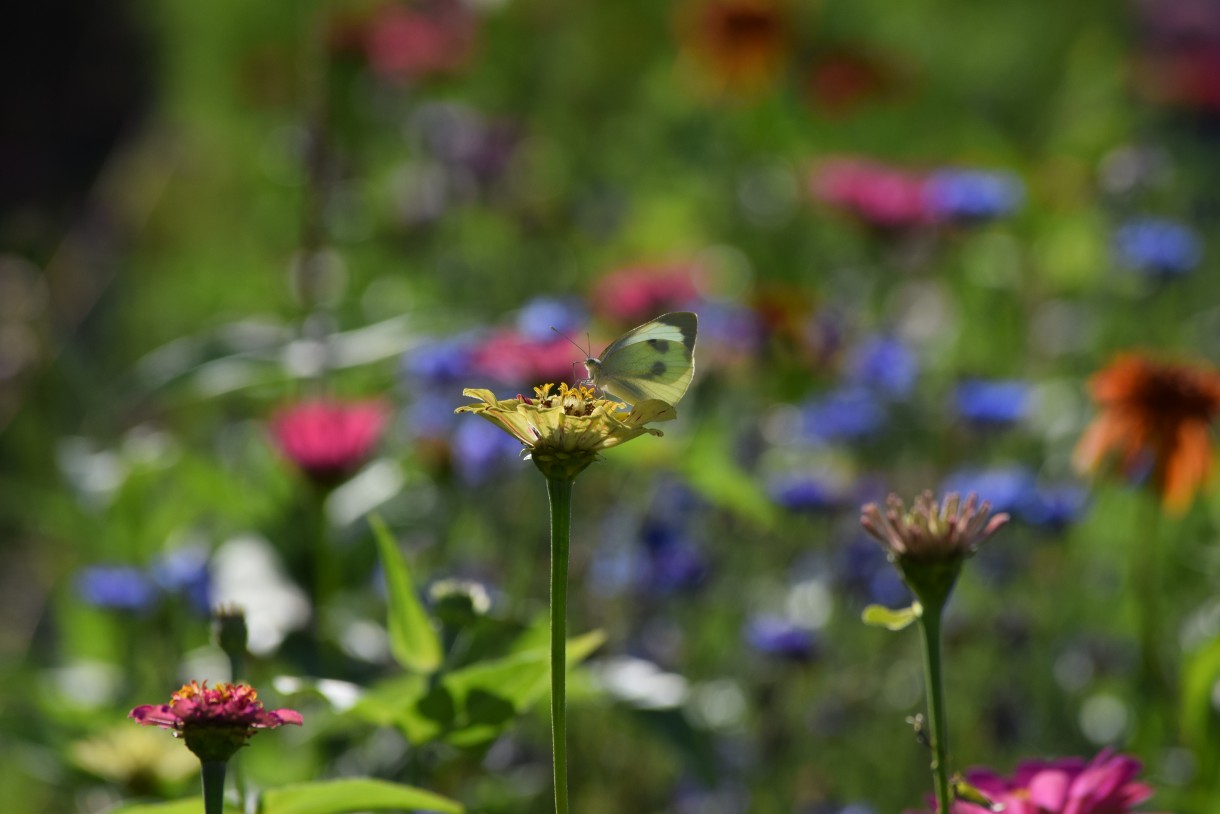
413,640
473,705
190,805
711,470
490,694
353,794
1198,719
889,618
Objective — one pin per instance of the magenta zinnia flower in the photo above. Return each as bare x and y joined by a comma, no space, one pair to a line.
635,293
1104,785
328,440
877,194
215,722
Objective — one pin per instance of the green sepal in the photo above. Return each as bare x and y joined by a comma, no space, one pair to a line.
969,794
891,618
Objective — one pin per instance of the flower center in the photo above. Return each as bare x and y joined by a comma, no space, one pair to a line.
1176,395
575,401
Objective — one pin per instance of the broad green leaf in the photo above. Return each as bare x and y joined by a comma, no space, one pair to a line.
711,470
354,794
521,678
413,640
889,618
470,705
487,696
190,805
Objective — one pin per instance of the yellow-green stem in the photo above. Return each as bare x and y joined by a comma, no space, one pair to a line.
559,489
938,740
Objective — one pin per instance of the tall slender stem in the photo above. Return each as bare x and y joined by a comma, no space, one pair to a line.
1147,581
929,625
559,489
214,786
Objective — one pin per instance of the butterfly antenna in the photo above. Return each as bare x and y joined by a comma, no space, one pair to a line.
565,336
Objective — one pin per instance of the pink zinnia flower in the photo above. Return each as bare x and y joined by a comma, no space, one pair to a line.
513,358
1105,785
215,722
876,194
637,293
328,440
406,43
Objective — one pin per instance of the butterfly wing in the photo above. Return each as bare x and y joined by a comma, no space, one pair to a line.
653,361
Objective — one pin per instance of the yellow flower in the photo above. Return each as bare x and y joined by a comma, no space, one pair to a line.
563,429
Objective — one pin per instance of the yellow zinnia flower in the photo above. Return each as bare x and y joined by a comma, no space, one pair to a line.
563,429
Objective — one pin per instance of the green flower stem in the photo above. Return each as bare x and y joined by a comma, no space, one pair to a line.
929,625
559,489
214,787
1147,583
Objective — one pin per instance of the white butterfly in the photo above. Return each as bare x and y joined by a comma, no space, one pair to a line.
653,361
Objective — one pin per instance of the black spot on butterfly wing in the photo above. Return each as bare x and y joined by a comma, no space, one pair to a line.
658,369
659,345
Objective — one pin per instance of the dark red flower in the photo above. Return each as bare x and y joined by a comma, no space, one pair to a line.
741,45
1156,417
1177,60
328,440
839,82
215,722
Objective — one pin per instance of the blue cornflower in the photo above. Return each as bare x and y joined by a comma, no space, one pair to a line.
1009,489
862,567
973,195
480,450
441,362
992,402
847,414
807,492
1056,507
538,316
885,365
430,416
1158,247
731,325
1014,490
185,570
776,636
116,587
680,565
675,561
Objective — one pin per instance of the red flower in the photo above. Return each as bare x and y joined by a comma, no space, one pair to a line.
1177,60
328,440
1105,785
1155,416
214,722
840,82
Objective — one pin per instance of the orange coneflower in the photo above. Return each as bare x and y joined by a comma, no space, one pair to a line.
739,44
1156,417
